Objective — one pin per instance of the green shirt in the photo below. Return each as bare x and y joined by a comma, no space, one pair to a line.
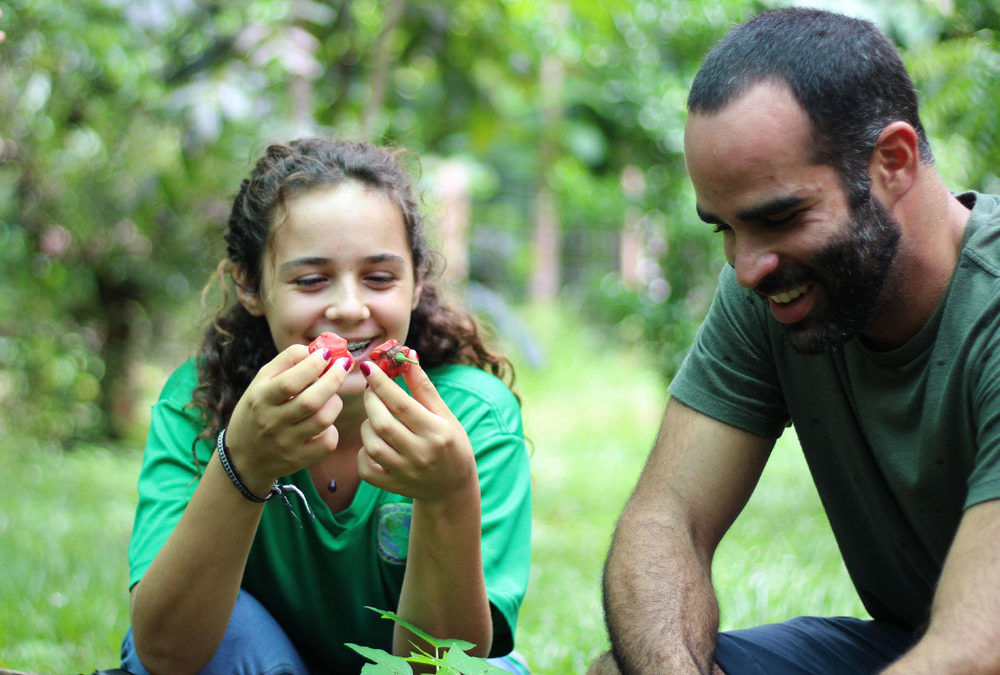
898,442
317,575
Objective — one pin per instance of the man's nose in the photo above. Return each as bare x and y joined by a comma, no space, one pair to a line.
752,258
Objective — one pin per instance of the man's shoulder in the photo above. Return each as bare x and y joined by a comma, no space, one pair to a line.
982,240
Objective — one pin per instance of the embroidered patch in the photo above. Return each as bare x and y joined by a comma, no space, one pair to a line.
394,531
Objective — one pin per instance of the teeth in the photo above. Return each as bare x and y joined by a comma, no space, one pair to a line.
789,295
357,345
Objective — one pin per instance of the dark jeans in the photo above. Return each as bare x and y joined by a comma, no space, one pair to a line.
255,644
811,645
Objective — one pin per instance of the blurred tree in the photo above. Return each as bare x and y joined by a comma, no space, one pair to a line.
126,125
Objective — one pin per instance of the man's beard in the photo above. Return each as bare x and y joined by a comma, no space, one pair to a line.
852,270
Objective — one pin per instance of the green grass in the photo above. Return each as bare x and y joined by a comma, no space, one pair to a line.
65,519
591,414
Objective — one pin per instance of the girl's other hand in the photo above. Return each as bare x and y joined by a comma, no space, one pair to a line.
284,420
414,446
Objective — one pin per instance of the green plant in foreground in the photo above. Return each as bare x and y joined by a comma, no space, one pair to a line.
449,655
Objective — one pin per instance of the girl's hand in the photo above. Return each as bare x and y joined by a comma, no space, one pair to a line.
414,446
284,420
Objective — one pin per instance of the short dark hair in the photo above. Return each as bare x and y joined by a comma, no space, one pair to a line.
844,72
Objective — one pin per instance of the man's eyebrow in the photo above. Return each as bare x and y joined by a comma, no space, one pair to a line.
771,207
761,211
709,218
318,261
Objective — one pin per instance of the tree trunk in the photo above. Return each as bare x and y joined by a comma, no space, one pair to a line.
632,254
380,72
546,277
452,187
118,395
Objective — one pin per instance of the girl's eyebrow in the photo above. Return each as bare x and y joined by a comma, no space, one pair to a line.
303,262
318,261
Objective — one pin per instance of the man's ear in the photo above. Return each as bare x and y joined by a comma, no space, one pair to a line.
895,161
248,297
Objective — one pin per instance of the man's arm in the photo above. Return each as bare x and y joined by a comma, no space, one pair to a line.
964,633
659,602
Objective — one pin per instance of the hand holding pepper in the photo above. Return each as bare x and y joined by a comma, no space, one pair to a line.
337,346
393,358
414,445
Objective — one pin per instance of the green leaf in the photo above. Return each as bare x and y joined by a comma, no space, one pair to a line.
438,643
470,665
385,663
392,616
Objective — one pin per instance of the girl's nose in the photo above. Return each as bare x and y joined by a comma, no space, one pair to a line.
345,304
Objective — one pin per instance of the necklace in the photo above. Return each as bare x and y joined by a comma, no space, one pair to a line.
332,485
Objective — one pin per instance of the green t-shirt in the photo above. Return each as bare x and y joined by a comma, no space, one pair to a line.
317,575
898,442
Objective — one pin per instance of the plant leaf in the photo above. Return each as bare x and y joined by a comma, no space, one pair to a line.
453,644
387,664
438,643
470,665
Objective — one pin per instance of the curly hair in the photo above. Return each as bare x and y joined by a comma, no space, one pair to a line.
237,344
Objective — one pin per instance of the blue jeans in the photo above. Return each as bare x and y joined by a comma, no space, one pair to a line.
811,645
255,644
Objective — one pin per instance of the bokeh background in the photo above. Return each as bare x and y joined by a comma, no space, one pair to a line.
548,141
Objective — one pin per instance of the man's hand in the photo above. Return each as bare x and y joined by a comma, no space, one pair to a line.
659,602
962,636
605,665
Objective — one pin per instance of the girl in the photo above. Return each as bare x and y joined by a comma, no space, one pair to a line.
412,496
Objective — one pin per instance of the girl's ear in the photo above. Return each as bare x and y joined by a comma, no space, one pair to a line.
249,298
416,295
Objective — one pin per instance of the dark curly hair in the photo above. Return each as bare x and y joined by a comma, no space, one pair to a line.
237,344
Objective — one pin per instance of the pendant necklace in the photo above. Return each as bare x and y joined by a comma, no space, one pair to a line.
332,485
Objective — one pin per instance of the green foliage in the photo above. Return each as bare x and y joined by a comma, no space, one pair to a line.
448,656
126,127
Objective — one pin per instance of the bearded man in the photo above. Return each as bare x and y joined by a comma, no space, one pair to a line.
861,304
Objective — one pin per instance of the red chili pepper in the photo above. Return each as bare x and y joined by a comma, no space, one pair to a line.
336,344
393,358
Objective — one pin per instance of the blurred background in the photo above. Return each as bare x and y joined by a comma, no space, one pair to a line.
548,136
549,146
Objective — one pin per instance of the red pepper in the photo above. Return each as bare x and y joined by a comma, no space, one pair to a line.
336,344
393,358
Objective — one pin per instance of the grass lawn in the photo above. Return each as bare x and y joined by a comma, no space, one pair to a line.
591,414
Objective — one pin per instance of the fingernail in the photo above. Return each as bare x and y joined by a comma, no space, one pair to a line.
365,368
344,362
323,353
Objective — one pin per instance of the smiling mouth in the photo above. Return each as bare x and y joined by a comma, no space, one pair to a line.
357,347
787,296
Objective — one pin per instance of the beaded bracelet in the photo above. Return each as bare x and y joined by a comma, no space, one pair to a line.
276,489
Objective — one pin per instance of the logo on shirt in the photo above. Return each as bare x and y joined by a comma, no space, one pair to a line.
394,531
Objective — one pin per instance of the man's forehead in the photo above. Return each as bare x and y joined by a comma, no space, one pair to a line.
754,147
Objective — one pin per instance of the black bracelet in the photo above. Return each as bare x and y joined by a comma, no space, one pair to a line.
220,446
276,490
